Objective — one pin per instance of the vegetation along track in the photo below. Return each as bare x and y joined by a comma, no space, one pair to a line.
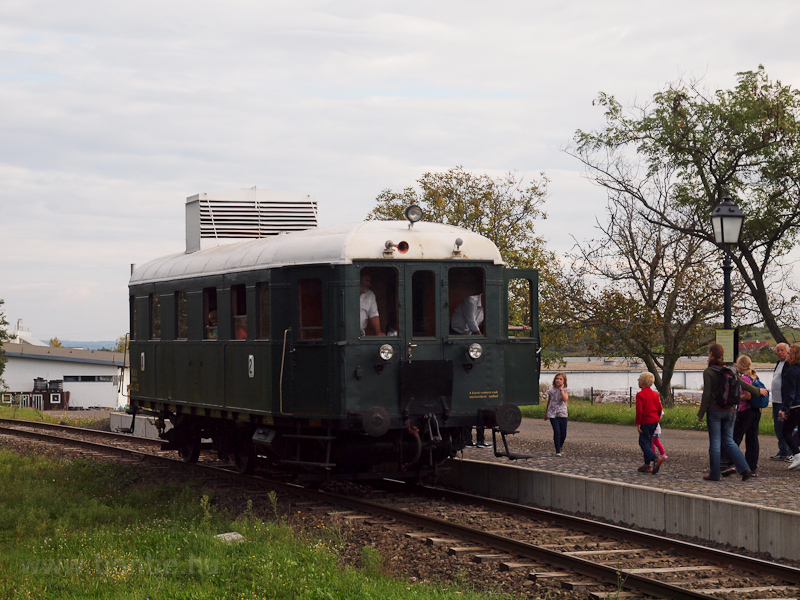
550,549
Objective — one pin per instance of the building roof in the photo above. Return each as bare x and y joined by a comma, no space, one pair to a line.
97,357
336,244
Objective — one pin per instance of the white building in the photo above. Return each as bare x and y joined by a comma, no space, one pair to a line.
93,378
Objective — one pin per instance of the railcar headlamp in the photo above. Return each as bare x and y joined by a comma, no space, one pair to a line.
413,213
386,351
475,351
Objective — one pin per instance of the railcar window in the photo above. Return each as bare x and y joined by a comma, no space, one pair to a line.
378,293
467,301
262,295
423,303
210,312
239,309
155,317
133,317
520,308
310,309
182,316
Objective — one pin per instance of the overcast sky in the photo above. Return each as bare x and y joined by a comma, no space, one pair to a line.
112,113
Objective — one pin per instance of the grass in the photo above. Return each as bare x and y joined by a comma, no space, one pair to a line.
678,417
77,530
31,414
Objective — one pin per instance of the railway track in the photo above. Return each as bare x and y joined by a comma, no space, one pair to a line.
544,547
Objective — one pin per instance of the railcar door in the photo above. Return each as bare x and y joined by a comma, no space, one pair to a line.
305,375
522,346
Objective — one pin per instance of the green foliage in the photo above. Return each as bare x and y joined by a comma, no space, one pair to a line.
99,530
4,338
56,343
745,141
122,344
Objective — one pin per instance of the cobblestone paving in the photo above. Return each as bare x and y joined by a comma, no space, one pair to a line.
611,452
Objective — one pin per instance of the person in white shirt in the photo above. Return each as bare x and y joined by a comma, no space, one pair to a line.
370,318
467,317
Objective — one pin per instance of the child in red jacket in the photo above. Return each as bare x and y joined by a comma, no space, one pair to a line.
648,413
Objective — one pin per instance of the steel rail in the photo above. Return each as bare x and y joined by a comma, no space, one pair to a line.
598,572
82,430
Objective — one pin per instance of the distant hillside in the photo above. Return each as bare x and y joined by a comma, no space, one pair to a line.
106,345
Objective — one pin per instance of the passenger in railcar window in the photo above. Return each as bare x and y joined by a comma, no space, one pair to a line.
211,327
370,318
468,316
240,327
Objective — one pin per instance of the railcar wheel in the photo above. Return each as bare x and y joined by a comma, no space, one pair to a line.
245,459
189,449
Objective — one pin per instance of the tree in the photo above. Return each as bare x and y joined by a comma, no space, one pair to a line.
745,141
644,288
4,338
122,343
501,209
56,343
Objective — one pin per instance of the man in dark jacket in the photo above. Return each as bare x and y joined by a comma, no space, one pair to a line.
777,402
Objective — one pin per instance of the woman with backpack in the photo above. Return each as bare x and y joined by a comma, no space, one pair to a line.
721,387
748,416
790,392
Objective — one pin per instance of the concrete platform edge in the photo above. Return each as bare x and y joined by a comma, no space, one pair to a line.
756,528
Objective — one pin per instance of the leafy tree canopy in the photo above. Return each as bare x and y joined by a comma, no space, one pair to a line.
56,343
122,343
745,140
4,338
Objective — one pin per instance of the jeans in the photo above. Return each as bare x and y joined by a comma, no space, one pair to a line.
559,431
792,420
646,442
720,434
783,447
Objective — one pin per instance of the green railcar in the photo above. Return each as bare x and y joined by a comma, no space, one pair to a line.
262,347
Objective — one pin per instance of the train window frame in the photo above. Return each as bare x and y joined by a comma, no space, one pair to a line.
239,311
154,304
462,281
263,309
210,316
423,305
181,315
525,327
132,324
310,309
384,285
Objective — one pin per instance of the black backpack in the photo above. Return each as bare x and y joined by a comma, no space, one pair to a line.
730,387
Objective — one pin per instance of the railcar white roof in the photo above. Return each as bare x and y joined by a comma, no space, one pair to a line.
336,244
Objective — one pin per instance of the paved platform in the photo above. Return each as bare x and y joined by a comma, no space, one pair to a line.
597,475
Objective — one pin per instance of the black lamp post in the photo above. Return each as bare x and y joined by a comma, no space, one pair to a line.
726,220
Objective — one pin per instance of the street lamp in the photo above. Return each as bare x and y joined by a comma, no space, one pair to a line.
726,220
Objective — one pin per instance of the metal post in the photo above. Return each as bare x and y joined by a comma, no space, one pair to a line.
727,267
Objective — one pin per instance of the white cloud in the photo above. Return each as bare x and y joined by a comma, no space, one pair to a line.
112,114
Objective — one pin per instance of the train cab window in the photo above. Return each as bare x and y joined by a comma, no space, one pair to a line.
520,307
132,324
210,312
310,305
378,301
239,310
466,301
181,316
423,304
155,317
262,299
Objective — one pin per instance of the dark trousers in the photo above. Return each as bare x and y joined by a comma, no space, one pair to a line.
783,447
480,435
791,421
646,442
746,427
559,431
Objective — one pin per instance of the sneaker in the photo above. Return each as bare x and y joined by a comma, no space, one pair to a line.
645,469
755,474
788,458
664,456
484,445
795,462
657,465
559,454
778,456
729,471
747,475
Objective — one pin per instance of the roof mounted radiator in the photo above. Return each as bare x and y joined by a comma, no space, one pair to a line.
214,219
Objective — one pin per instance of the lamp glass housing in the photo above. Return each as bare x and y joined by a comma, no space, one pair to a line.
726,220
